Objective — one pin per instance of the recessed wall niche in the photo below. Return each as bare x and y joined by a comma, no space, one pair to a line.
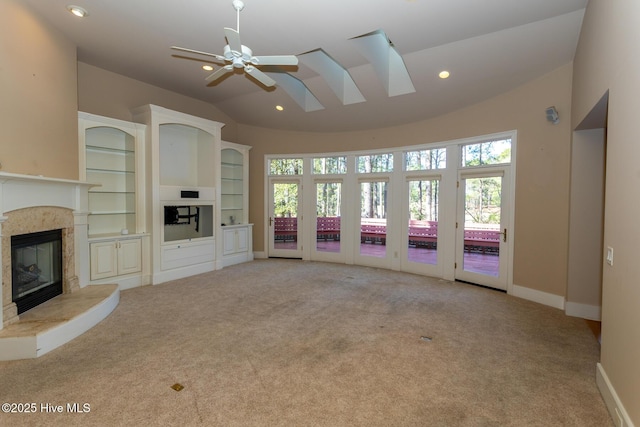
186,154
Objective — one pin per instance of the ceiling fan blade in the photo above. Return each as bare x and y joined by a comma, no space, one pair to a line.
275,60
259,76
219,73
199,52
233,38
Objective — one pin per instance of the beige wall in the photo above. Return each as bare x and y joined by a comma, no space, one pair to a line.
113,95
584,283
42,87
38,92
542,180
543,149
607,58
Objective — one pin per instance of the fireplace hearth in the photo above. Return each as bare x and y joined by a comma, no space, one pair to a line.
36,266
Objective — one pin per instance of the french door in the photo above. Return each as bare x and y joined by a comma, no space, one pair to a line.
374,230
482,227
328,221
284,221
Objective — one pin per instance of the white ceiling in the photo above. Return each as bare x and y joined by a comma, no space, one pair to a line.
489,46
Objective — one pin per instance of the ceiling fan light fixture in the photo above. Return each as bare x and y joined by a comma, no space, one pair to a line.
444,74
77,11
239,57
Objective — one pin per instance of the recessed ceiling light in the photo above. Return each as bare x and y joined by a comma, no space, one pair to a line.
444,74
279,107
77,11
207,67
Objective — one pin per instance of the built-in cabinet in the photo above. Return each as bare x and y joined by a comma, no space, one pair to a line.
110,258
111,156
234,204
170,200
237,244
184,159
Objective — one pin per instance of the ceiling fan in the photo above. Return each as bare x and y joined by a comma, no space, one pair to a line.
236,55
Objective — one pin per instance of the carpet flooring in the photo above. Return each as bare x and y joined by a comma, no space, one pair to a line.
295,343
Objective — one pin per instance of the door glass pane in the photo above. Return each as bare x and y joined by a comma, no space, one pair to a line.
483,198
285,216
373,219
328,202
423,221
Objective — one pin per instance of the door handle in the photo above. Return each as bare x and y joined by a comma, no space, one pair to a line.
270,221
504,235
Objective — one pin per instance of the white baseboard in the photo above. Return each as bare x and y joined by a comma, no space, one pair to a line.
585,311
612,401
552,300
260,255
228,260
182,272
127,282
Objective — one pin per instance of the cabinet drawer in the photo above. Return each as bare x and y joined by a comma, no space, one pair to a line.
181,255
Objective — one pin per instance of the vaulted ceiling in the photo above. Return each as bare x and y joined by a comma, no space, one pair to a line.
489,47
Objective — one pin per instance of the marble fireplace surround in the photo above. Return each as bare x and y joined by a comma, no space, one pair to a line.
31,220
33,203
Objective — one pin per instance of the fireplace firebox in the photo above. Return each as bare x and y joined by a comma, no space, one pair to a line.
36,265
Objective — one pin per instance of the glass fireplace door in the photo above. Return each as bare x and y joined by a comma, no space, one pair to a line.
36,261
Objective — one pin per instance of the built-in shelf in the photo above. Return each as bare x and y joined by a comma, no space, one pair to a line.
234,183
110,154
184,153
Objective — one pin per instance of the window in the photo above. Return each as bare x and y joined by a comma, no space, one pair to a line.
285,167
487,153
375,163
426,159
330,165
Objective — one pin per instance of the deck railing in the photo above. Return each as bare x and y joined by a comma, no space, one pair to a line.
374,230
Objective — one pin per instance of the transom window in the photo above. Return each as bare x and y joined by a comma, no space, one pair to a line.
425,159
487,153
285,167
330,165
375,163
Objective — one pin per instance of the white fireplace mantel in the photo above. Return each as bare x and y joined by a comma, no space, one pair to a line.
26,191
23,191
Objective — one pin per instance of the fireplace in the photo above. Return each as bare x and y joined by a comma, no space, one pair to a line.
36,268
33,205
44,253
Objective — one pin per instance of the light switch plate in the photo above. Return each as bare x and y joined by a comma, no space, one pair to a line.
610,255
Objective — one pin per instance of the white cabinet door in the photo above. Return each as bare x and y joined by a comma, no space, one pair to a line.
130,256
236,240
243,240
229,241
104,260
115,258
